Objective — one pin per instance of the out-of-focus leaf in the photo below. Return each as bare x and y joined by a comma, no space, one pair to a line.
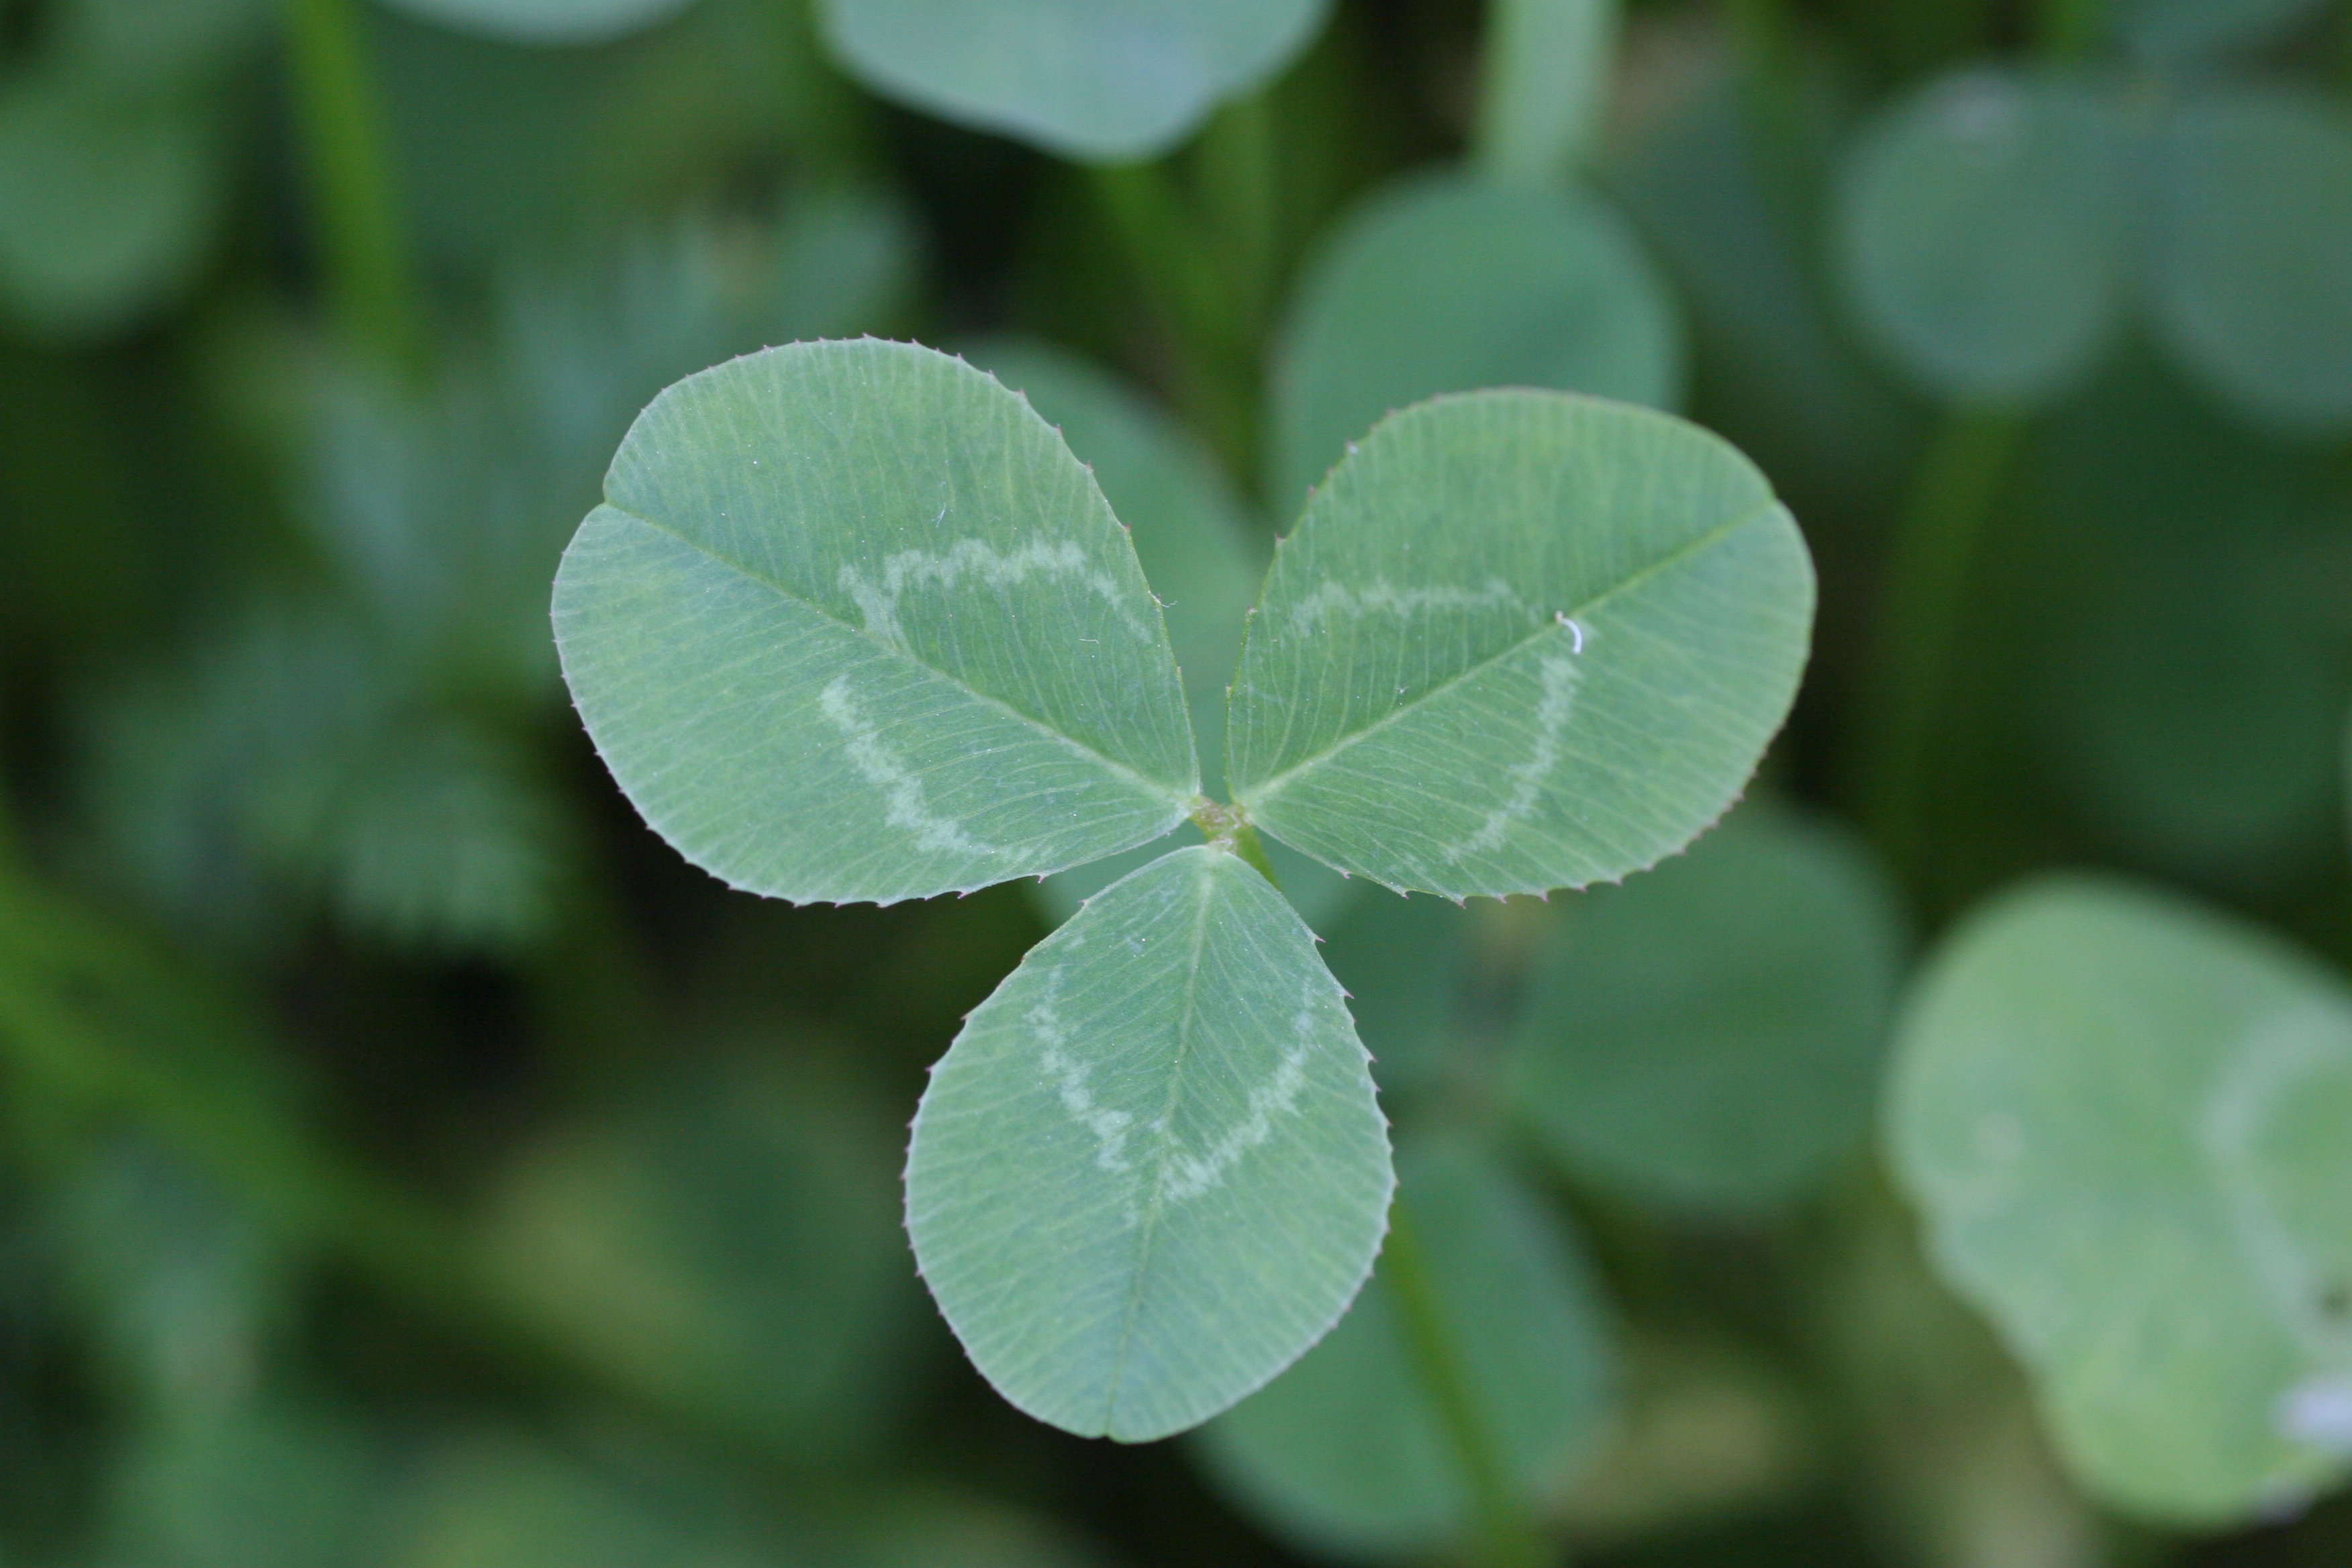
1347,1453
1402,961
854,625
501,148
1564,692
1773,369
109,203
1708,1035
544,22
1445,283
499,1502
181,1285
273,1486
2124,1117
1151,1171
734,1247
1982,229
927,1528
2253,246
2182,31
2189,648
1105,81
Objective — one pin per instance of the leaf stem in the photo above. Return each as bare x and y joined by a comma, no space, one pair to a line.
1509,1535
349,168
1543,79
1227,828
1934,554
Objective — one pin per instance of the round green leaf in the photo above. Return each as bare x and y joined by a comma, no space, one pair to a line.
854,625
1981,228
1446,283
732,1247
1103,81
1349,1453
108,206
1521,640
1150,1172
544,22
1708,1035
2253,245
2124,1119
2185,29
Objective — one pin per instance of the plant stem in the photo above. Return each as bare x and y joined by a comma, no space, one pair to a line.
1934,554
1180,277
1508,1536
1769,79
1542,83
1226,828
365,249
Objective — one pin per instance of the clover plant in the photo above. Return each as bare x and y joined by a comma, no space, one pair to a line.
854,625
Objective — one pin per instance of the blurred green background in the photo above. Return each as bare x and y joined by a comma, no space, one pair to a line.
407,1161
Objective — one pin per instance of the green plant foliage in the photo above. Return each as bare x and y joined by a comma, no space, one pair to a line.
2253,241
109,202
1196,551
1404,964
500,1501
2123,1119
271,1486
1347,1453
1105,81
2189,652
154,43
1150,1172
545,22
1547,78
2181,30
1708,1036
932,1529
1564,693
827,677
1445,283
1982,229
731,1249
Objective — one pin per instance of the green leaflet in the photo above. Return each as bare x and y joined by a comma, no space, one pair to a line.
2124,1118
1708,1036
2253,242
1520,640
1445,283
1150,1172
1347,1453
1982,227
255,1484
108,201
854,625
1103,81
544,22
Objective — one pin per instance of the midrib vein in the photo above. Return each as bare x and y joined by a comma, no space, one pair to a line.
1259,793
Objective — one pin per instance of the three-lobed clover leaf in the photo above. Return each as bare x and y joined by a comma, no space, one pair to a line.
854,624
2124,1117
